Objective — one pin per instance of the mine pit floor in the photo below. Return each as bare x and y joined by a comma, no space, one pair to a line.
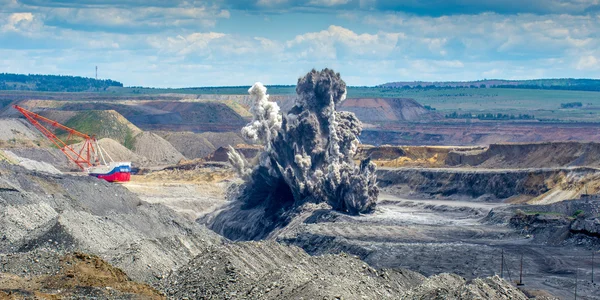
437,236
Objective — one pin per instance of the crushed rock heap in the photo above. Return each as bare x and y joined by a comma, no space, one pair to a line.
307,155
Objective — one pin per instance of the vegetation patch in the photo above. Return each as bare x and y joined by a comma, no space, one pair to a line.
571,105
102,124
489,116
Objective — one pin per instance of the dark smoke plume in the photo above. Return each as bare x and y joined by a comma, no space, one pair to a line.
307,158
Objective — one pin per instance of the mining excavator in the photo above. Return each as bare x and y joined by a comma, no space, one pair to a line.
88,157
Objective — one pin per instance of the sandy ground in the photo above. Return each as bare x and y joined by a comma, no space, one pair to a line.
192,200
192,193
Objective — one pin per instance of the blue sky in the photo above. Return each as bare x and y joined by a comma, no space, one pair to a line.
225,42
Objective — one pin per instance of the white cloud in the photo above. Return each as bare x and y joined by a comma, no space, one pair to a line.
588,62
17,21
214,45
196,43
326,43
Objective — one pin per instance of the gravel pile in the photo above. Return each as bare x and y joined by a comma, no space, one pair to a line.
33,165
190,144
37,262
268,270
82,213
52,156
452,286
157,150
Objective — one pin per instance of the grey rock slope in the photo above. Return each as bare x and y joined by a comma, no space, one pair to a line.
268,270
86,214
43,215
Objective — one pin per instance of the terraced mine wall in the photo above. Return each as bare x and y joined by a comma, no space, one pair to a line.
529,155
500,183
477,133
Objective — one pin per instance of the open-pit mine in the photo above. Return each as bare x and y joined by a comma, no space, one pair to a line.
311,196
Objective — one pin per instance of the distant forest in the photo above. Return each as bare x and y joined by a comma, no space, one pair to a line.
54,83
490,116
541,84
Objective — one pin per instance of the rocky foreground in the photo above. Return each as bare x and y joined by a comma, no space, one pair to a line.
70,236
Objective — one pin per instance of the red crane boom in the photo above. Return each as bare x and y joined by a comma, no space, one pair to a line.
83,157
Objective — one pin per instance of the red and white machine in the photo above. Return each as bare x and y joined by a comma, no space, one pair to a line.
90,150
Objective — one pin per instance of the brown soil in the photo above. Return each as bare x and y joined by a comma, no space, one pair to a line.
407,156
80,275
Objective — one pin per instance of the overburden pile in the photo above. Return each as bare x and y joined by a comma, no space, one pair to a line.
307,158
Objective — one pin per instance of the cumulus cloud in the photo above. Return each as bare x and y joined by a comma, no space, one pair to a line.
214,45
23,23
328,43
588,62
17,20
195,43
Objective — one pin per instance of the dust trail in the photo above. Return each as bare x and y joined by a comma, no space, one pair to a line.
307,158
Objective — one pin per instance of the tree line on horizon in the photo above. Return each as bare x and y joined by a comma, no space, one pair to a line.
66,83
536,84
54,83
490,116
